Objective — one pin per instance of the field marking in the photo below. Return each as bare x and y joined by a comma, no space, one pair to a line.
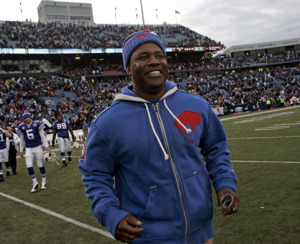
262,137
59,216
266,162
56,150
258,113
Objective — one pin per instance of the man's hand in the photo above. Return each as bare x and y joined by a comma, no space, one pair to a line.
74,138
128,228
48,149
21,154
233,207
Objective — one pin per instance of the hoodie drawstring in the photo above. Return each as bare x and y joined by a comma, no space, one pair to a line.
157,138
154,132
188,131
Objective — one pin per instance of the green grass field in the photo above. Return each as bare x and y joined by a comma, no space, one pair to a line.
265,150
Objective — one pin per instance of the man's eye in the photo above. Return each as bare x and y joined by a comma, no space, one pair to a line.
142,57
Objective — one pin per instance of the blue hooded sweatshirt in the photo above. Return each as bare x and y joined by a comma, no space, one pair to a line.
142,158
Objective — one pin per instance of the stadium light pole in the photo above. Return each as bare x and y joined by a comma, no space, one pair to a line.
142,12
21,11
137,17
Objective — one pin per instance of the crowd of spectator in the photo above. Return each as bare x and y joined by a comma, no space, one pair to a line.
82,100
46,97
192,63
15,34
248,86
199,62
252,60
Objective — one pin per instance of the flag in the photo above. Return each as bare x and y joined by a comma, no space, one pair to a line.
176,12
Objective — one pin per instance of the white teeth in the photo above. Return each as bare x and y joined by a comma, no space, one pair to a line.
154,72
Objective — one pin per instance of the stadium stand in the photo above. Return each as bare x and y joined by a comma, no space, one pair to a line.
82,89
15,34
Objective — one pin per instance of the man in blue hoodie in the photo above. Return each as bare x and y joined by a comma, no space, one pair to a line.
147,144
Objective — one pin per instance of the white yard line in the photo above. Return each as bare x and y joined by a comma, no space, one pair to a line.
59,216
262,137
266,162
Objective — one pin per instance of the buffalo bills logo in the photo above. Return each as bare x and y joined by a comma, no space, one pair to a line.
142,35
188,118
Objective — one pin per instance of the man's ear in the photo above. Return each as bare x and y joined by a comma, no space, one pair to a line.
128,69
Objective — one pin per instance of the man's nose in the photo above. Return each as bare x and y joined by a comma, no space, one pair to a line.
153,60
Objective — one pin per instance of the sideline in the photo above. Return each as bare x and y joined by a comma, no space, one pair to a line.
262,137
59,216
259,113
266,162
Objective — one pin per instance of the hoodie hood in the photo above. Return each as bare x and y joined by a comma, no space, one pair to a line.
128,95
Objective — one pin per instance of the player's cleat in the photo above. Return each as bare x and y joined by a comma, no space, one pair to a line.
64,164
1,178
44,185
70,161
35,187
7,174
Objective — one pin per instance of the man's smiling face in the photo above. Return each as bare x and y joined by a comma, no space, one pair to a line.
149,69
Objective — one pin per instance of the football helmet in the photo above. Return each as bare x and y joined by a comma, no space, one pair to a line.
50,157
76,145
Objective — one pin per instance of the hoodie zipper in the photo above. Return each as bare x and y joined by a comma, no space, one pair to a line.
173,167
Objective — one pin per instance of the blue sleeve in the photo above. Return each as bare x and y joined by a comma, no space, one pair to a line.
216,155
98,170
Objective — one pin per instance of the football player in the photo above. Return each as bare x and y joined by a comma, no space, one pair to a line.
62,127
33,137
4,153
85,129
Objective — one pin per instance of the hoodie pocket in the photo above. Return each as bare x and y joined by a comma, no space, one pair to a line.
198,200
163,213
